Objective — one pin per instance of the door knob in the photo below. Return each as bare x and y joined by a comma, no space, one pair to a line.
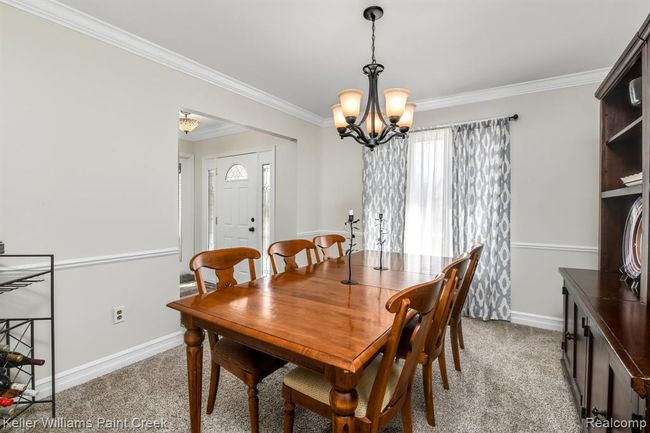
251,229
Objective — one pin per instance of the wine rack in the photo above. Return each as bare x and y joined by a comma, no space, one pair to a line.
19,332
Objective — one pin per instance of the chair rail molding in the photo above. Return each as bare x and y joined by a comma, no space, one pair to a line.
100,260
555,247
81,22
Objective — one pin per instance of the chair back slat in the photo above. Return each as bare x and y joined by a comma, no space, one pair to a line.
422,299
288,250
223,263
463,290
324,242
443,314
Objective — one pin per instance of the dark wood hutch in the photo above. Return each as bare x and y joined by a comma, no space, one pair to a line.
606,344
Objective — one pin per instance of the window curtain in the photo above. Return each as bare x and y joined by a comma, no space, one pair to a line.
481,212
384,191
428,228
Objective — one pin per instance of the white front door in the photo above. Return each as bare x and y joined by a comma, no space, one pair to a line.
237,214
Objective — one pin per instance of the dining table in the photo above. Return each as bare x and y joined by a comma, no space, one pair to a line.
306,316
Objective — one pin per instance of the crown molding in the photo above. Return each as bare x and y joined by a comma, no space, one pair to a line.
74,19
544,85
213,132
535,86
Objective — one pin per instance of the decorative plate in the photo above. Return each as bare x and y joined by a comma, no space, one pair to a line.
632,241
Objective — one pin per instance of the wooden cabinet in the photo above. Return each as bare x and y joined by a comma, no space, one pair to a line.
606,344
605,354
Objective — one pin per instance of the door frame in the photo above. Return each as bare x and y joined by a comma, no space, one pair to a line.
190,159
204,187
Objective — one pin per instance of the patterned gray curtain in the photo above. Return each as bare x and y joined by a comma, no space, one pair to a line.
481,212
384,191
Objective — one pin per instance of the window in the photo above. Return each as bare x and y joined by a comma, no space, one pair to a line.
212,210
427,227
266,217
236,172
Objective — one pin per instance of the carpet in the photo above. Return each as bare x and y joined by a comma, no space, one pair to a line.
511,382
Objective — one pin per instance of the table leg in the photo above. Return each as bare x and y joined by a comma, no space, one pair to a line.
194,340
343,400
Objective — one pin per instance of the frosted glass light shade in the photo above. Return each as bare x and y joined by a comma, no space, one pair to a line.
339,118
395,103
406,121
186,124
350,104
378,125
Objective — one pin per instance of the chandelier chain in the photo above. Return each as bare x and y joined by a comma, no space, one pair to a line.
373,41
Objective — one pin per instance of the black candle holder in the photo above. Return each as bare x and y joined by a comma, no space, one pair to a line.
381,241
351,222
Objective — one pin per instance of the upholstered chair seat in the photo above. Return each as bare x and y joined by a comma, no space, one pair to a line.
315,385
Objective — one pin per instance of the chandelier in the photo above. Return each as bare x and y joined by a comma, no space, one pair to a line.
379,127
186,124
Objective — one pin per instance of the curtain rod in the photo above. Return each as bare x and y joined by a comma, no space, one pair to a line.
449,125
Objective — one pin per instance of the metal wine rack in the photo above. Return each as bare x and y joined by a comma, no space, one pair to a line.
19,333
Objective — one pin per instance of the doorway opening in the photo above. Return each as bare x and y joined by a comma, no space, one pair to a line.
227,192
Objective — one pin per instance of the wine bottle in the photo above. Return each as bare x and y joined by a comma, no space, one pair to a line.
7,412
15,359
7,385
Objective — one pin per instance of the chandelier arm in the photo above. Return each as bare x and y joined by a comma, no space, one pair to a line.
357,139
377,107
384,132
368,103
395,135
359,132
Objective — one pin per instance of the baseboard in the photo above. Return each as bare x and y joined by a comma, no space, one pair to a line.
537,320
91,370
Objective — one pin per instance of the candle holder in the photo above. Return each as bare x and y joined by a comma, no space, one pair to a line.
351,222
381,241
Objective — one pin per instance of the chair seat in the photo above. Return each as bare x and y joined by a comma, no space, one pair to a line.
314,385
232,355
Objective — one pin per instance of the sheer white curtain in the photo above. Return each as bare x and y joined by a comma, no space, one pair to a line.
429,193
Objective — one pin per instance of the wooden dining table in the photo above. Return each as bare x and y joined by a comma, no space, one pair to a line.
307,317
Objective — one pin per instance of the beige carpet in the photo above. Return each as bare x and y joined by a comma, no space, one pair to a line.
511,382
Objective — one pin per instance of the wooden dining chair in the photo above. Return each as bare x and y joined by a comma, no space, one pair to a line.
324,242
435,345
385,386
249,365
455,322
288,250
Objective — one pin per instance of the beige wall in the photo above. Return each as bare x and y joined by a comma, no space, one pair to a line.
88,140
554,157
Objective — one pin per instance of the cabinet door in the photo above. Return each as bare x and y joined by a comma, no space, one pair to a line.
599,381
582,346
569,329
623,402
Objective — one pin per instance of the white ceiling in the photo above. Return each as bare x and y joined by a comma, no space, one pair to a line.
305,51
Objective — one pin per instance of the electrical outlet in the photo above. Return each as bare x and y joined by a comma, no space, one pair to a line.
118,314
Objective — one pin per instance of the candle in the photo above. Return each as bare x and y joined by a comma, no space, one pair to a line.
350,212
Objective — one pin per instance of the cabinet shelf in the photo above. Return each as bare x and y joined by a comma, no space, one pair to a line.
622,192
631,130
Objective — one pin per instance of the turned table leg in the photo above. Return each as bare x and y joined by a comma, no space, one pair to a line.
194,342
343,400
